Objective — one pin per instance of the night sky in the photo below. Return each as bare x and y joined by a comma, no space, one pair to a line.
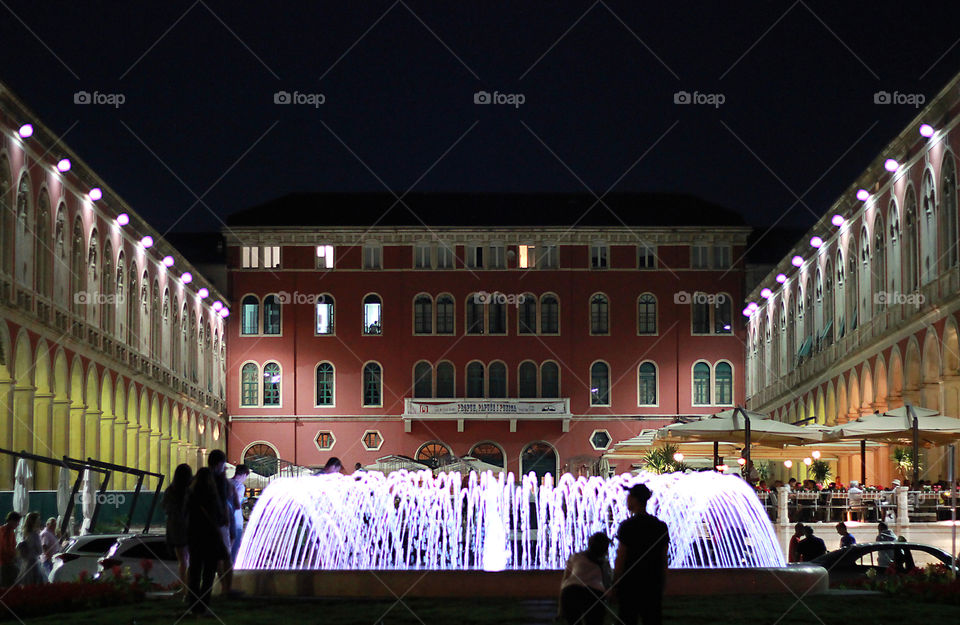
398,79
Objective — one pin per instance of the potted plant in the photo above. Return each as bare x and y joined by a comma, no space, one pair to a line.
819,470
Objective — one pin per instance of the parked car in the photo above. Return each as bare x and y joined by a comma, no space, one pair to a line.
131,551
853,563
81,553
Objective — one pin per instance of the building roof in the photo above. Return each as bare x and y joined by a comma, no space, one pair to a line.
486,209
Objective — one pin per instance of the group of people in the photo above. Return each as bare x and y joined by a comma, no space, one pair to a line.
805,545
205,526
29,560
637,578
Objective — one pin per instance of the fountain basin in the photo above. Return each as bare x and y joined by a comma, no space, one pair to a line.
520,584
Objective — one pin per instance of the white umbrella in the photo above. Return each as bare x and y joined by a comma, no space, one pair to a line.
89,500
23,480
388,464
64,490
466,464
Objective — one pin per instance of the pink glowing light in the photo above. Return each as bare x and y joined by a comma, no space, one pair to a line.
766,293
796,261
203,293
781,278
25,131
123,219
217,305
891,165
186,277
63,165
926,130
816,241
863,195
95,194
147,241
167,261
837,220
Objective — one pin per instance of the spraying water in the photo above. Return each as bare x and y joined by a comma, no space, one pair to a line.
481,521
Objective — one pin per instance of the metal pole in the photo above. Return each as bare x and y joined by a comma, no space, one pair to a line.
915,483
153,505
133,504
746,440
716,454
953,507
863,462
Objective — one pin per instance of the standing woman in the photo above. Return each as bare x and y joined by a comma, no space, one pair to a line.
175,506
585,580
30,550
206,515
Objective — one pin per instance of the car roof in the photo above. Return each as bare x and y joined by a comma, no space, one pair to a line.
887,544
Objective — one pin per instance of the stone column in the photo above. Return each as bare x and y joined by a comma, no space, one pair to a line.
60,443
155,452
783,499
166,458
119,450
106,438
903,519
6,434
42,434
131,457
91,438
75,431
22,418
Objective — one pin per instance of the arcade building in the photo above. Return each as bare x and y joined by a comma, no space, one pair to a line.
486,325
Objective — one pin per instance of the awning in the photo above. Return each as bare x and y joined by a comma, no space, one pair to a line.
826,330
805,348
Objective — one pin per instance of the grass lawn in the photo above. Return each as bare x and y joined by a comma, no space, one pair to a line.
842,609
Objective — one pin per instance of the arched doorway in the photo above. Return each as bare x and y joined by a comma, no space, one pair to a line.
261,458
539,457
488,452
433,454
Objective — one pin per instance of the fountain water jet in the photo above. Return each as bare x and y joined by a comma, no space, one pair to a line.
406,520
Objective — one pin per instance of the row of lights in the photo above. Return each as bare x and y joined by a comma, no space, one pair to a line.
891,165
96,193
815,455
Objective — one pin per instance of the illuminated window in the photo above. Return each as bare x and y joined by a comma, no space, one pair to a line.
372,440
433,454
324,257
324,310
271,384
701,384
599,384
250,315
528,256
325,440
371,315
249,385
325,384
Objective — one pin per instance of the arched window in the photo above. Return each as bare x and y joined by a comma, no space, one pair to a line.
422,380
271,315
948,213
527,314
646,314
325,384
818,306
722,314
911,275
475,379
23,250
120,307
372,385
647,384
841,306
475,311
498,380
878,265
599,384
852,290
599,314
527,380
156,325
108,317
828,295
864,279
423,314
489,453
249,385
723,374
549,380
549,314
445,380
93,284
539,458
261,458
78,270
250,315
928,229
434,454
165,328
271,384
372,323
324,312
785,354
41,246
498,314
61,264
893,247
6,230
701,384
446,314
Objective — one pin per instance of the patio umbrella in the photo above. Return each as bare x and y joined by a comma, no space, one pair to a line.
23,481
466,464
733,426
388,464
908,425
89,500
64,490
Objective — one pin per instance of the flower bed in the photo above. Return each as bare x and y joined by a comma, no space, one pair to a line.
933,584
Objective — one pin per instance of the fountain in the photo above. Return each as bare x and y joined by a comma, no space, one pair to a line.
481,526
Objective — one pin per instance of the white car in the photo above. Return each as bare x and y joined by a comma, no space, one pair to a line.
133,549
81,554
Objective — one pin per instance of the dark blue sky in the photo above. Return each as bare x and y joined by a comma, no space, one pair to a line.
598,80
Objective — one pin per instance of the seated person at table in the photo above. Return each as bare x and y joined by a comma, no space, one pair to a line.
811,546
792,483
846,538
855,493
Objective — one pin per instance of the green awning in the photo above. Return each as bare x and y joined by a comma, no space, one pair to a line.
826,330
840,328
805,348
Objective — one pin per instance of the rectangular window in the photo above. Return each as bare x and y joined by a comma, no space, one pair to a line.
444,256
324,257
701,391
498,257
445,315
646,257
598,256
271,257
475,256
475,310
721,257
527,255
700,257
549,257
701,317
324,317
371,257
251,256
422,256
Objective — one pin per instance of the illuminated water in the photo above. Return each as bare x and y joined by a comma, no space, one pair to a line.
482,521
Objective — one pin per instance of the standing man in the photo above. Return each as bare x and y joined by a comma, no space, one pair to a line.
9,569
50,545
238,481
227,495
640,570
846,538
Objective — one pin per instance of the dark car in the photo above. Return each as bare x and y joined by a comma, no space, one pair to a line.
853,563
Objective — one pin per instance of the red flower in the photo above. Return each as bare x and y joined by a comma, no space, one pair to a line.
146,564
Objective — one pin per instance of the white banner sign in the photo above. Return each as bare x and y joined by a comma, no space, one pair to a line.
488,407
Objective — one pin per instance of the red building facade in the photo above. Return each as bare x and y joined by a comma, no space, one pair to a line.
452,326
